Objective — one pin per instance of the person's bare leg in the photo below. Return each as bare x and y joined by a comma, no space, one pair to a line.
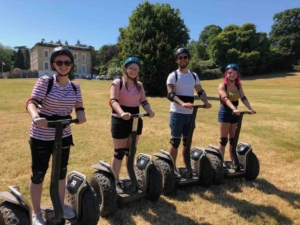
36,195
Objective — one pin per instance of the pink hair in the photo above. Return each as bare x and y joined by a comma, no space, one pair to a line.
237,79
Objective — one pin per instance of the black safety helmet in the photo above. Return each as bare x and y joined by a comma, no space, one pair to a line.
61,50
182,50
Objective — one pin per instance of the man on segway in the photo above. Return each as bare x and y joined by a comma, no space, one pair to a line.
180,86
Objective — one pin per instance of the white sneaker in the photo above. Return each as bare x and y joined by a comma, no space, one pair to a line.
37,219
68,212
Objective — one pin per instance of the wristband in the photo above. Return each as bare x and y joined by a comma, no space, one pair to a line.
122,114
234,109
79,109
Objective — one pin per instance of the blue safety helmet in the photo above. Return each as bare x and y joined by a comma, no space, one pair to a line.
132,60
232,65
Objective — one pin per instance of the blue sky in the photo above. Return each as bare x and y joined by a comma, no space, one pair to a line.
97,22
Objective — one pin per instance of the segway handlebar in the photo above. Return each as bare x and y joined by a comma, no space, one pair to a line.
199,106
139,115
63,122
245,112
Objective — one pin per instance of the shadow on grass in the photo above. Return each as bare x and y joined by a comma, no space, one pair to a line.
268,188
247,210
160,212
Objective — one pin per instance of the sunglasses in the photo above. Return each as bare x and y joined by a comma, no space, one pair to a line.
60,63
183,57
232,73
133,69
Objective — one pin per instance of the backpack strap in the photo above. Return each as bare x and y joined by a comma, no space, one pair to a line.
194,75
121,82
50,85
74,87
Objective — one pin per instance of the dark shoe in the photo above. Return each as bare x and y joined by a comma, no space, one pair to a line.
119,188
177,174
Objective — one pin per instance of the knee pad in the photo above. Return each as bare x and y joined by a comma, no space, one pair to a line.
119,153
184,140
231,141
175,142
126,151
63,173
223,141
38,176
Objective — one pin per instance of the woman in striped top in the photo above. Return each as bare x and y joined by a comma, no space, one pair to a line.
230,92
52,99
126,96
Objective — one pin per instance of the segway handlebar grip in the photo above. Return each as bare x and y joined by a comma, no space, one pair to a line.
63,122
245,112
199,106
139,115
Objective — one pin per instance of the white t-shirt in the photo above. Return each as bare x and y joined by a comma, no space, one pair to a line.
184,87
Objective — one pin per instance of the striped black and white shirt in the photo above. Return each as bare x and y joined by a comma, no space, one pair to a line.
60,101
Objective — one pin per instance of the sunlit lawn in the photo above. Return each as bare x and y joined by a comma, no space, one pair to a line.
274,198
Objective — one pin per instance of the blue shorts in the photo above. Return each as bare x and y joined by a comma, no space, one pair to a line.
180,124
225,115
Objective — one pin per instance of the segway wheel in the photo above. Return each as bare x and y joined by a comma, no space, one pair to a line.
154,188
168,180
252,169
11,214
104,186
206,173
90,211
216,163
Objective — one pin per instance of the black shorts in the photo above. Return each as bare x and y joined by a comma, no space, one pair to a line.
41,152
121,129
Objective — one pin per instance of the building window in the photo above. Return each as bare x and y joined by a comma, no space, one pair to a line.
46,65
83,68
75,67
83,57
76,56
46,53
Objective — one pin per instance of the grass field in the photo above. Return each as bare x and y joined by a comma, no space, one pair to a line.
273,198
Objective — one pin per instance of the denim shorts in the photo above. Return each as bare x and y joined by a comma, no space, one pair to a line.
180,124
226,115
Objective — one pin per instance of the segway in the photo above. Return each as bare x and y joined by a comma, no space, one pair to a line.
145,179
198,169
245,163
80,197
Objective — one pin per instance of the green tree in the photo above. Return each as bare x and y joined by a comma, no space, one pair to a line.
244,46
285,35
105,54
114,71
26,58
6,54
19,60
153,34
297,67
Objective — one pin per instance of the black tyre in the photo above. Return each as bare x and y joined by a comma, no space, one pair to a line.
105,189
252,169
168,180
90,211
216,163
11,214
154,188
206,173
